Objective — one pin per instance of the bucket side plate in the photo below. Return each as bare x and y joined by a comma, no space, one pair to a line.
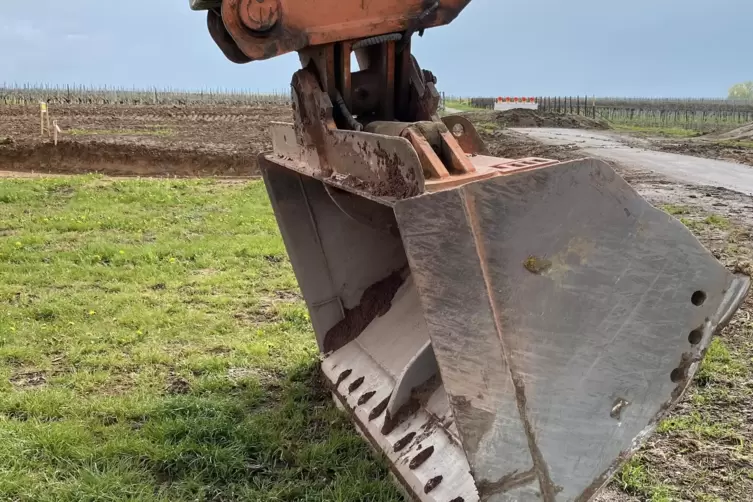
567,316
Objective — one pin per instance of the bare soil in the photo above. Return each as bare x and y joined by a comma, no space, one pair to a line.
708,149
139,140
514,145
744,133
732,146
533,118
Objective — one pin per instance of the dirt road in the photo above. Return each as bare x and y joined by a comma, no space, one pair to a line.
634,153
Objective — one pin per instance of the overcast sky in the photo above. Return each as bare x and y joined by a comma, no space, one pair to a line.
496,47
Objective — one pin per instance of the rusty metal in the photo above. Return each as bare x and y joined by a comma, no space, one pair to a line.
387,70
345,73
437,148
425,98
371,165
259,16
300,24
454,156
224,41
465,134
430,161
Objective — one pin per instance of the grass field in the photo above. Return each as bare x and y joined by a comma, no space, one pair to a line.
153,346
460,106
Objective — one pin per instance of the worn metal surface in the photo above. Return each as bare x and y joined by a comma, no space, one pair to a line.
416,373
383,166
364,211
303,23
259,16
560,306
424,446
424,95
336,258
437,148
432,165
465,133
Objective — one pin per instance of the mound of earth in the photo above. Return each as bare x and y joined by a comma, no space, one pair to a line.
514,145
534,118
744,133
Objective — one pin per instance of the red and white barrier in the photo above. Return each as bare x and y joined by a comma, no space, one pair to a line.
512,103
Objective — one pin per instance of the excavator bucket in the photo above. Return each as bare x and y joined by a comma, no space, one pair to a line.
501,330
511,339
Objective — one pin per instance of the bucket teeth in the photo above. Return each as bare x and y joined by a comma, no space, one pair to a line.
519,339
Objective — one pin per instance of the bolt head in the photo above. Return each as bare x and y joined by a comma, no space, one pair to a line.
259,15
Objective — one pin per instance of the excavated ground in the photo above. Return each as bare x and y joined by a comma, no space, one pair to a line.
532,118
139,140
730,150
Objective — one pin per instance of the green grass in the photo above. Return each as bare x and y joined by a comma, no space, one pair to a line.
717,221
153,347
719,364
736,143
674,132
636,479
461,106
702,428
675,210
698,225
486,127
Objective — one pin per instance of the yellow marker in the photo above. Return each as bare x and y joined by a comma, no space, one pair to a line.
43,107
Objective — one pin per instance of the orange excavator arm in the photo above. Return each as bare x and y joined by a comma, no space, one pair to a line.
263,29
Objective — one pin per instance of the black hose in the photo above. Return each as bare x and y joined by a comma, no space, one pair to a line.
380,39
417,22
352,122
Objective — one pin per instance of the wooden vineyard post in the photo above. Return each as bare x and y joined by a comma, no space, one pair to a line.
44,119
55,131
